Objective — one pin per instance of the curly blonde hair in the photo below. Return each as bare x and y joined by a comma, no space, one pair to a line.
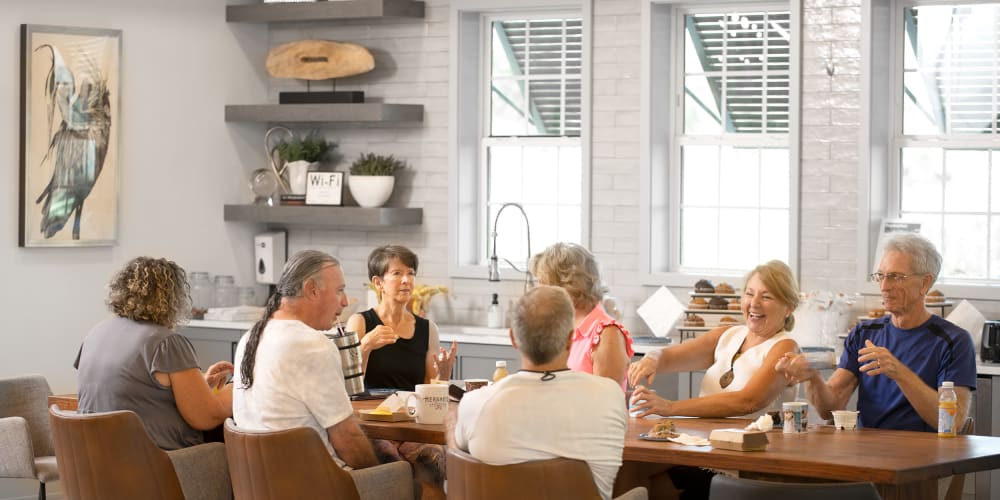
149,289
572,268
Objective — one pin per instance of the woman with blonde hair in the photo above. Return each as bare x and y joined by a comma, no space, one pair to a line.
740,379
601,345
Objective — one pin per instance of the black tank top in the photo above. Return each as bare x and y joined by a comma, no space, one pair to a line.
400,365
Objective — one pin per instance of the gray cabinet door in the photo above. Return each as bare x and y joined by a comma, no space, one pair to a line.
479,360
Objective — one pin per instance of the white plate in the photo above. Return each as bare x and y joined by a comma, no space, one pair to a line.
646,437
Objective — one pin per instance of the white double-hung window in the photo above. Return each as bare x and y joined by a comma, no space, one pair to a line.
945,156
518,123
722,184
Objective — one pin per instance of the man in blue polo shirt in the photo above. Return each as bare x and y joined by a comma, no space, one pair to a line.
898,361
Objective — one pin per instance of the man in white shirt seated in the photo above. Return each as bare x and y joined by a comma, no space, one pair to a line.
545,410
289,374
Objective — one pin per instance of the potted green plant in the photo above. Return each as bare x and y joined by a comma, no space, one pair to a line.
300,155
372,178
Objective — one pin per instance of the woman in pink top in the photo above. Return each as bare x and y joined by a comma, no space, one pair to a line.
601,345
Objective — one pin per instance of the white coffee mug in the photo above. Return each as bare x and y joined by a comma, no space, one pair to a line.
429,403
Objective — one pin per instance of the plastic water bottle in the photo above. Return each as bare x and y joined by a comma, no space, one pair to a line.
947,409
500,372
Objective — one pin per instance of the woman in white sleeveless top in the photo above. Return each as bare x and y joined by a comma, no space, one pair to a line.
740,379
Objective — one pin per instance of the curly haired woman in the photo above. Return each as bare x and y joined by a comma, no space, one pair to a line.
136,361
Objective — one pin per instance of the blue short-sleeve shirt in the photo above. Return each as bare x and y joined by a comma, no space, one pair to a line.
936,351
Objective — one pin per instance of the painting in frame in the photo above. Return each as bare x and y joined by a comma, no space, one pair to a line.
70,118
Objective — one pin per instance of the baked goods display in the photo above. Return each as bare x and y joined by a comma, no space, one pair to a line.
724,289
934,297
734,305
694,320
704,286
663,429
698,303
718,303
876,313
728,320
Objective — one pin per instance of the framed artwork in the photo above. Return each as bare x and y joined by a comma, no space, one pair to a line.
70,87
325,188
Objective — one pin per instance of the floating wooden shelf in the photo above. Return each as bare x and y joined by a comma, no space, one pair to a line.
322,11
321,216
364,112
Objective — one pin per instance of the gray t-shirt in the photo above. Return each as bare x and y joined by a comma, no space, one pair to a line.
115,368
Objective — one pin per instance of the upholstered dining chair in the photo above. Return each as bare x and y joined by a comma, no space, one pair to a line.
557,478
727,488
25,441
109,455
957,483
294,464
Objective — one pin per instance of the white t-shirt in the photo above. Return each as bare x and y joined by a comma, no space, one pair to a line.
744,368
523,418
298,382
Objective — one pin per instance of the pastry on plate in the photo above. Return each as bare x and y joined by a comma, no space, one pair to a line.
698,303
704,286
934,296
734,305
724,288
694,320
718,303
663,429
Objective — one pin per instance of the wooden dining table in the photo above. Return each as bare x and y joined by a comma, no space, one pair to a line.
902,464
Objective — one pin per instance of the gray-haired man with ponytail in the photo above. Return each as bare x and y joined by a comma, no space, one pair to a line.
289,374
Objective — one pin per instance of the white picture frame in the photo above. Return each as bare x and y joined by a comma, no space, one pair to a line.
325,188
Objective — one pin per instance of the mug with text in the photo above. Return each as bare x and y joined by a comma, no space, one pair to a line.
429,403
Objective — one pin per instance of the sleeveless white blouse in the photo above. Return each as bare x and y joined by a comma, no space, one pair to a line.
744,367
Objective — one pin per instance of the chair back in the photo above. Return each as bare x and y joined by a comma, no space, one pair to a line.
957,484
557,478
110,455
726,488
27,397
286,464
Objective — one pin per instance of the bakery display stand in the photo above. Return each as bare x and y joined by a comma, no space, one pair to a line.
711,316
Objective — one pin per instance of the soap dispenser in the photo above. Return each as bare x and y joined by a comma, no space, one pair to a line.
495,317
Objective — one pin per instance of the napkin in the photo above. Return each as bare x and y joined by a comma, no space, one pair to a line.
764,423
390,405
968,317
660,311
689,440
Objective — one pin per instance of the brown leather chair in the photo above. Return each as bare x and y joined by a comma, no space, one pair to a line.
553,479
268,465
104,456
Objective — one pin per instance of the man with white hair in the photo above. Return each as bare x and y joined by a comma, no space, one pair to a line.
545,410
898,361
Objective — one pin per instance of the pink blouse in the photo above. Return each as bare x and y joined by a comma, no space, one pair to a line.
588,335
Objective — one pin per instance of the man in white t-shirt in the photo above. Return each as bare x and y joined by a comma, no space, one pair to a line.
289,374
545,410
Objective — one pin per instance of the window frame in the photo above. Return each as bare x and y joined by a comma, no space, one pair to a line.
468,231
880,175
661,117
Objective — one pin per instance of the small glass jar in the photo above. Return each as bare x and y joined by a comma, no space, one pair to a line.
202,293
226,294
247,296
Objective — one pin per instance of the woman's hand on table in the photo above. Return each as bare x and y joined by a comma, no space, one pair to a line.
642,371
378,337
645,402
218,373
445,360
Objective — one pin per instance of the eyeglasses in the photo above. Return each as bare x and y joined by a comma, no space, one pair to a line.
727,378
893,277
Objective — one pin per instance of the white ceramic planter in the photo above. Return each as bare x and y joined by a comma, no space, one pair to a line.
371,190
297,172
